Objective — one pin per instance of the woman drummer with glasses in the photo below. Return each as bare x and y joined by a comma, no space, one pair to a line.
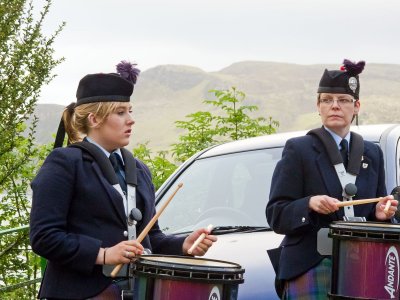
306,186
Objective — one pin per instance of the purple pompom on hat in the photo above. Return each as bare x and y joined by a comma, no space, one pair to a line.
343,81
128,71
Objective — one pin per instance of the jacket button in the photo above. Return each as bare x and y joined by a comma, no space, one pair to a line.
303,219
125,233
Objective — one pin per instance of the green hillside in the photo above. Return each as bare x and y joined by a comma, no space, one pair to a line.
287,92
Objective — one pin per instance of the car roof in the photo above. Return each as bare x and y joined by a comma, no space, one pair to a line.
371,133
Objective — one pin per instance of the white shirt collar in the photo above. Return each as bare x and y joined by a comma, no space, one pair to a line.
338,138
118,151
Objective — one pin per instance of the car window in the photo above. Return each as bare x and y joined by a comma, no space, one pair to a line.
225,190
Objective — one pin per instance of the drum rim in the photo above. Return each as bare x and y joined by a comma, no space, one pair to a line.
365,231
235,266
367,226
176,271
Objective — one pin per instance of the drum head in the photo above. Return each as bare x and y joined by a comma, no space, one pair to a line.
181,267
187,261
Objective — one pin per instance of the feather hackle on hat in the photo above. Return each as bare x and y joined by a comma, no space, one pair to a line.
353,68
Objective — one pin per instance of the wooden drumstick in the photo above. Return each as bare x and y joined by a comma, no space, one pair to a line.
357,202
199,239
387,206
148,226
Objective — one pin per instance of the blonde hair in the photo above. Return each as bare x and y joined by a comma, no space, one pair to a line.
76,121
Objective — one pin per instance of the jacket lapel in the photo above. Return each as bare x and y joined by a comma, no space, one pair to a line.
112,193
143,190
327,171
329,178
364,177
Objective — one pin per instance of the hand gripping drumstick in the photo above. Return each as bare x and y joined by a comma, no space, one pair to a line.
357,202
387,206
148,226
200,239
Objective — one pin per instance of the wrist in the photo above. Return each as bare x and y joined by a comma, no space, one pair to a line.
100,257
104,255
185,248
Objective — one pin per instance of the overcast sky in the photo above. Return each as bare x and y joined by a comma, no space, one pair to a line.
213,34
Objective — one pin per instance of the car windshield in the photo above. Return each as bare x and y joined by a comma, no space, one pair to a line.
225,190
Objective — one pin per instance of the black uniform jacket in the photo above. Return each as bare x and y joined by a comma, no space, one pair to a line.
75,211
304,171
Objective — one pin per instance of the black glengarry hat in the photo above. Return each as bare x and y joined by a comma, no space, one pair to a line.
343,81
102,87
110,87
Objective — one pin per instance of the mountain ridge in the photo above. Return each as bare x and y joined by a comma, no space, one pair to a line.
285,91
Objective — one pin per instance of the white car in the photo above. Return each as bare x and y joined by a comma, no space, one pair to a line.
228,186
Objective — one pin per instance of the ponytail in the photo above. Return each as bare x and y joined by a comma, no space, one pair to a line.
68,118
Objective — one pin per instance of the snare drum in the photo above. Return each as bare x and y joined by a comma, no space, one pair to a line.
186,278
365,260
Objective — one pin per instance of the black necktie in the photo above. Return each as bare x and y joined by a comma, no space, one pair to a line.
118,168
344,151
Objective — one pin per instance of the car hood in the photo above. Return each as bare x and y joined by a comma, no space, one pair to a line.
249,250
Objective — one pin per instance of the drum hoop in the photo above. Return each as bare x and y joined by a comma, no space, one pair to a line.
181,271
374,231
234,266
225,280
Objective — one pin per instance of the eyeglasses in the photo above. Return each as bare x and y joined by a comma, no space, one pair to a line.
340,101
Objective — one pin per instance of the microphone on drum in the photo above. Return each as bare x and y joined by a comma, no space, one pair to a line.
350,190
396,195
134,216
395,192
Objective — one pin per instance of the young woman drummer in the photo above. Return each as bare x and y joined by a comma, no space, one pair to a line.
78,219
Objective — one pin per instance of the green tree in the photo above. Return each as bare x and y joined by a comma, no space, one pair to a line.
235,123
200,135
26,64
161,168
230,122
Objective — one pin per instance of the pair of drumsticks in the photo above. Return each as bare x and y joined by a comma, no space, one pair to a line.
365,201
150,225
